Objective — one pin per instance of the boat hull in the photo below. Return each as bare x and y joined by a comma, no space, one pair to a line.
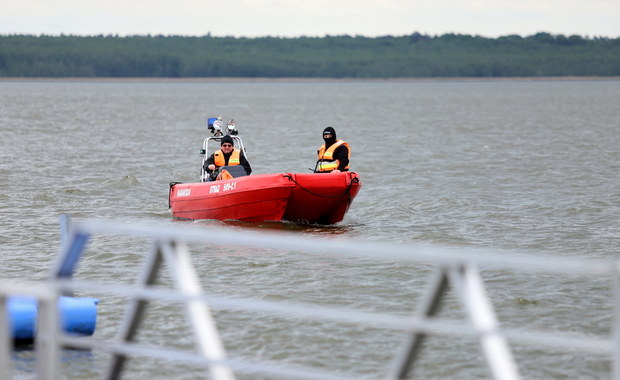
254,198
301,198
321,198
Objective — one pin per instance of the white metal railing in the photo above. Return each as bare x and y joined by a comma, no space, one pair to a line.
455,267
47,358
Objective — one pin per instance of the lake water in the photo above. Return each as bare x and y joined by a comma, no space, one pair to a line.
527,166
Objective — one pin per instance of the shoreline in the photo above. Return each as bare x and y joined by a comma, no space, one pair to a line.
290,80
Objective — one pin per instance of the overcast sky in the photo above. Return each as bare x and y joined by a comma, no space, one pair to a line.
293,18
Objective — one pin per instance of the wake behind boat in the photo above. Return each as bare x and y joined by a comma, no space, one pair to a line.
231,194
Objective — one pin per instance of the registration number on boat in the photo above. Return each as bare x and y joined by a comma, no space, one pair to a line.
227,186
184,192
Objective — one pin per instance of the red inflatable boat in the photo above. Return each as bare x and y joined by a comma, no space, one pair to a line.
309,198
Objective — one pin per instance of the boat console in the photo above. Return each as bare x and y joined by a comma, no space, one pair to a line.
218,131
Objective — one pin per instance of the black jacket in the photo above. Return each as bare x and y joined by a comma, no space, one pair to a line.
342,155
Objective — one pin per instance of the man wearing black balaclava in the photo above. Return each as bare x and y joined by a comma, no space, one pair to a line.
227,156
334,155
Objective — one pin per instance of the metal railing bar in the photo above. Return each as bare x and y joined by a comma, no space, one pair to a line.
175,355
439,326
6,365
463,265
285,309
240,303
135,349
551,340
562,341
47,322
446,327
133,311
412,345
27,288
373,250
615,325
477,306
46,342
198,313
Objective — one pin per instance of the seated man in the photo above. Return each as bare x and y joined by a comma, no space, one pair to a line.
226,156
334,155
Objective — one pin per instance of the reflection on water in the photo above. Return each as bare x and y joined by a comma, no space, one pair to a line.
339,229
76,361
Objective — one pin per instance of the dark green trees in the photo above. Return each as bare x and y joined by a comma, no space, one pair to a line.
412,56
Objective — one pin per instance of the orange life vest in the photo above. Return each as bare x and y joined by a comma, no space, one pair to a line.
327,163
224,175
234,159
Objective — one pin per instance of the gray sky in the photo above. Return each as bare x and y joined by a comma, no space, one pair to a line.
293,18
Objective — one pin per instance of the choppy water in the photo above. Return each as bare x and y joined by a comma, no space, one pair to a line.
530,166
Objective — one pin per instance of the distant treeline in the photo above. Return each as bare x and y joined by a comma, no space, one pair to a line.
412,56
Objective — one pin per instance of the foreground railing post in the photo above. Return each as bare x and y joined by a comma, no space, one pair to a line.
134,313
72,247
65,228
200,318
615,327
47,343
458,272
468,283
6,340
428,308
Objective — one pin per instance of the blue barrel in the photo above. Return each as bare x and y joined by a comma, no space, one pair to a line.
77,315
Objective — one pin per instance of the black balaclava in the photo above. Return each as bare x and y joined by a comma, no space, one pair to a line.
331,140
227,139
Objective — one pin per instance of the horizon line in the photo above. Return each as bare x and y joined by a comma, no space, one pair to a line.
327,35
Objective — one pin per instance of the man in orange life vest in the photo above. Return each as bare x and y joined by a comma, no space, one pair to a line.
227,156
334,155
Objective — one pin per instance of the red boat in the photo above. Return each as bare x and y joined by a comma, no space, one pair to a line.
309,198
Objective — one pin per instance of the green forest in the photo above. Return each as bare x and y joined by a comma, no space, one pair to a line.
411,56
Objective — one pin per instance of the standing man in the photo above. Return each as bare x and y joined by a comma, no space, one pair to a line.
334,155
